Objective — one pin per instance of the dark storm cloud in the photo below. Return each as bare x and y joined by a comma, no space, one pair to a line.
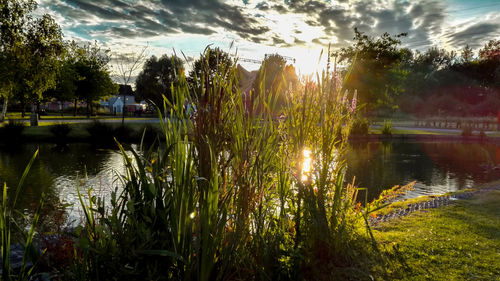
150,18
422,20
475,35
374,19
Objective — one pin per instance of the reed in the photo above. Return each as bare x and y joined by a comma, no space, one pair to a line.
8,222
233,192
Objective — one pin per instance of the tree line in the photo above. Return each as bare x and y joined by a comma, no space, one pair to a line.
37,65
389,77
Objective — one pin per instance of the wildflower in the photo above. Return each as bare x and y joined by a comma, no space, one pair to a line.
344,99
354,101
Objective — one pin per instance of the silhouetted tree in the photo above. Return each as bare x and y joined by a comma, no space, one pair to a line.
156,78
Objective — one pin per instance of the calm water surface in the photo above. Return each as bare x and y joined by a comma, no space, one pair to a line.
437,168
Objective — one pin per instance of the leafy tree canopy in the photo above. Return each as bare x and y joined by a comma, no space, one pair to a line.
376,67
275,76
157,77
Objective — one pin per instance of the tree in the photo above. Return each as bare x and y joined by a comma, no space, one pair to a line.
42,49
376,67
127,64
214,59
156,78
467,55
490,51
274,77
67,77
95,82
14,16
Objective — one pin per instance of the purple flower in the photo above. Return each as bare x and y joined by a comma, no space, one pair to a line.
354,101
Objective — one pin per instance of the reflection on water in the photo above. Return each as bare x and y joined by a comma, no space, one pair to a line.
437,167
306,165
57,172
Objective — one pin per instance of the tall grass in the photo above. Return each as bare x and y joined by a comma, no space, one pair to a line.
233,193
8,222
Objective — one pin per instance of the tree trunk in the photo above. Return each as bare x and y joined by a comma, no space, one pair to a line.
38,110
61,105
23,108
4,109
76,101
88,108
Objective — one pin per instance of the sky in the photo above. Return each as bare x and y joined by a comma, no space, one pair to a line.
297,29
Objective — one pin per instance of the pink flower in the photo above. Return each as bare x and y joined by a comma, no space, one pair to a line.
344,99
354,101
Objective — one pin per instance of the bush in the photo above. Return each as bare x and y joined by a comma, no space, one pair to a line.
387,128
123,133
360,126
100,132
12,132
60,131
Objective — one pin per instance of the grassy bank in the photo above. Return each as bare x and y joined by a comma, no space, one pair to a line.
456,242
79,131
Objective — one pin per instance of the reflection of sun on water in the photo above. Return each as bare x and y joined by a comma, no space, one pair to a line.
306,164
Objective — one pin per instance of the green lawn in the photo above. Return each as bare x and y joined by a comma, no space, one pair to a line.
456,242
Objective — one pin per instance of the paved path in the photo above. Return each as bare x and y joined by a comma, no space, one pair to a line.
434,130
432,203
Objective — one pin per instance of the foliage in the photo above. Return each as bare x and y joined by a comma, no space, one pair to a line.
7,221
275,76
389,77
376,68
29,52
232,194
123,133
95,82
157,77
360,126
100,132
213,59
490,51
60,131
387,128
12,132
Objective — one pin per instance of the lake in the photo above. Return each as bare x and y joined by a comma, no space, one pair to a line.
437,167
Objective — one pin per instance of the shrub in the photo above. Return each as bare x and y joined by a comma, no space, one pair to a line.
387,128
100,132
123,133
360,126
60,131
12,132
